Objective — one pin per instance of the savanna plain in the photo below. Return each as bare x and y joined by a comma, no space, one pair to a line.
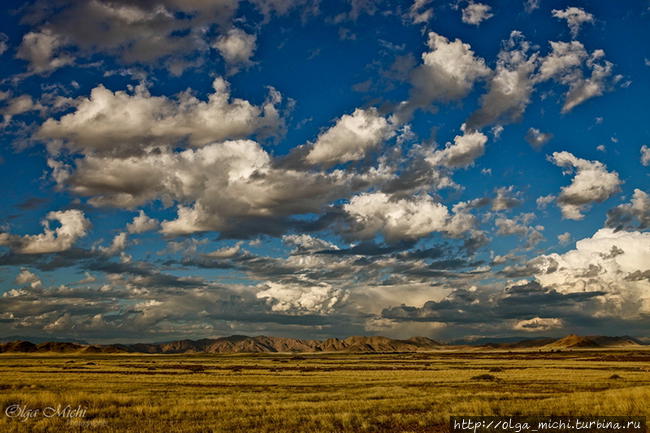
289,393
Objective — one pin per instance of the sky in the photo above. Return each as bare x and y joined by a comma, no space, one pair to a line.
451,169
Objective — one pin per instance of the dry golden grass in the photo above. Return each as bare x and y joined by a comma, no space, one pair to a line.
284,393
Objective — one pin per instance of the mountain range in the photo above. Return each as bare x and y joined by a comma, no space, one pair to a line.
357,344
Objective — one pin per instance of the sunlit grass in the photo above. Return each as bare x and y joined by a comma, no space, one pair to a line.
278,393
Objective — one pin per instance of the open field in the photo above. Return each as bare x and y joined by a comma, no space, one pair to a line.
414,392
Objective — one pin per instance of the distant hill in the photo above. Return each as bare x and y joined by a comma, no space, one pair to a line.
594,341
521,344
358,344
571,341
264,344
238,344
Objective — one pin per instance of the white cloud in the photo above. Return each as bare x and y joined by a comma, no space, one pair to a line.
136,32
74,225
319,298
476,13
537,138
615,262
462,153
307,243
142,223
226,252
623,216
117,246
592,183
403,218
520,226
419,13
510,87
232,185
42,51
586,88
564,64
645,155
544,201
26,277
562,61
506,198
350,138
564,238
19,105
236,47
120,123
87,279
575,18
447,73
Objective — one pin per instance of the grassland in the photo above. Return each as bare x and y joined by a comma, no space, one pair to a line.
284,393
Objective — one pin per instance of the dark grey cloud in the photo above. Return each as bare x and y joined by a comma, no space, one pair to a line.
484,306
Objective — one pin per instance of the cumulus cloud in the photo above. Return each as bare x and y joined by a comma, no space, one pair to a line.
575,18
562,61
232,185
73,225
637,210
506,198
296,298
306,243
130,307
236,47
476,13
142,223
613,262
518,72
592,183
511,86
583,89
226,252
645,155
27,278
564,238
520,226
537,138
120,123
350,138
42,51
135,32
447,73
564,64
118,244
519,69
18,105
403,218
462,152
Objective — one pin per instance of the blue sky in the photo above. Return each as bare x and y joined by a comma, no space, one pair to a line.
312,169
